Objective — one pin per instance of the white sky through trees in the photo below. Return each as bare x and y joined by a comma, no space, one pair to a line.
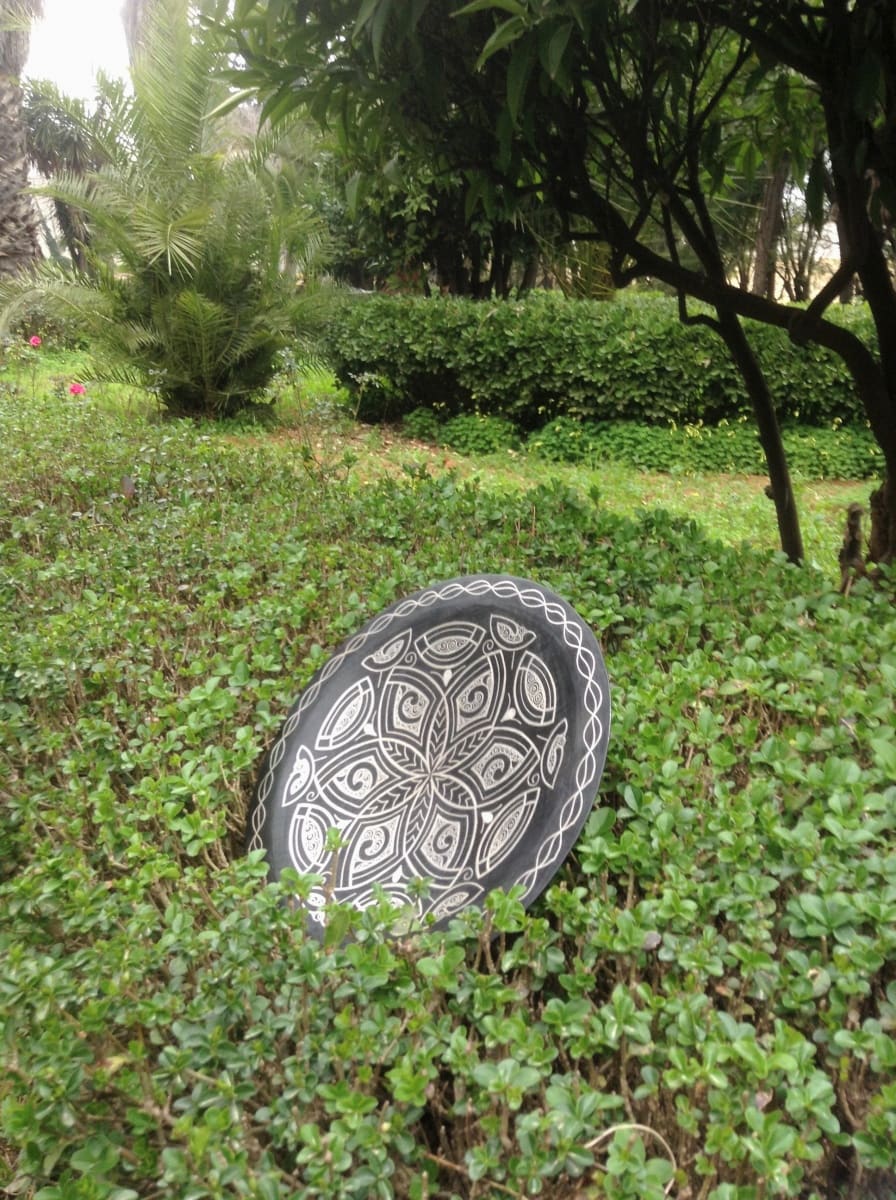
74,40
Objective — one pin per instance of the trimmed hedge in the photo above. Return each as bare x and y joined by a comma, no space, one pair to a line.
541,357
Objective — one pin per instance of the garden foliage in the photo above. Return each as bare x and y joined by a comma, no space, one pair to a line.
542,357
704,999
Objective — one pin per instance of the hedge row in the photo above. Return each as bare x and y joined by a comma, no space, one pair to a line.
841,452
541,357
729,448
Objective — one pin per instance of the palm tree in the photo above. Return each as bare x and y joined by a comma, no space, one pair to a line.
185,289
19,243
64,134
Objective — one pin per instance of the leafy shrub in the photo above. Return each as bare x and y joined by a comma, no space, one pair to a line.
727,448
710,976
543,356
473,433
58,329
422,424
844,452
565,440
468,433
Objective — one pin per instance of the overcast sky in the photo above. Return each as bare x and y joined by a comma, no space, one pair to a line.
75,39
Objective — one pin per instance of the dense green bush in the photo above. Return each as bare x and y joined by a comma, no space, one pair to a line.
844,452
468,433
57,328
473,433
705,998
541,357
422,424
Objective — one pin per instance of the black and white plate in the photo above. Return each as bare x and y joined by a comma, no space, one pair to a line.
458,738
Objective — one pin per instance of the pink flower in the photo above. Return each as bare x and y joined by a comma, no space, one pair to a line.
77,389
34,341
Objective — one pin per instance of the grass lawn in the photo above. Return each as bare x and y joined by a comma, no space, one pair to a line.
733,509
316,424
703,1002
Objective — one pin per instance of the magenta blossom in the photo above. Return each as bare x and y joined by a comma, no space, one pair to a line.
77,389
34,341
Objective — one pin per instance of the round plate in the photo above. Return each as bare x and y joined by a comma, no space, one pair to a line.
458,738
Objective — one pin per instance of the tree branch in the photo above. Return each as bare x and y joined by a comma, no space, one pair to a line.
801,327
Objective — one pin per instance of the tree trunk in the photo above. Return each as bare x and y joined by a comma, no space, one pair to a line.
849,292
530,272
863,242
769,434
770,221
882,541
877,286
134,16
874,383
702,241
19,243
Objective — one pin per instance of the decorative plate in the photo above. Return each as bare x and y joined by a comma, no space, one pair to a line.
458,738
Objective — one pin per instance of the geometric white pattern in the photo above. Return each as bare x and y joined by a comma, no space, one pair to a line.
458,738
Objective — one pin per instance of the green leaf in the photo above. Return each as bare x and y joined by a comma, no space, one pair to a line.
816,197
352,191
781,95
512,6
867,84
813,906
749,160
518,74
553,52
366,12
473,196
339,920
884,749
504,35
378,28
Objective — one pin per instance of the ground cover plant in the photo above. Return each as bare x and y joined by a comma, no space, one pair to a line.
704,1001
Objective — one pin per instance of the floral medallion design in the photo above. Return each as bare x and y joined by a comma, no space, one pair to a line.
458,739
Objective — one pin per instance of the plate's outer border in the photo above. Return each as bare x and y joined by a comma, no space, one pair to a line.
575,808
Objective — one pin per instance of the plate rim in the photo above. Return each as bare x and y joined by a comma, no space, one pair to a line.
577,635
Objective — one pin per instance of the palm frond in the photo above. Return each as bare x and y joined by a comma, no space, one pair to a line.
175,85
50,281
